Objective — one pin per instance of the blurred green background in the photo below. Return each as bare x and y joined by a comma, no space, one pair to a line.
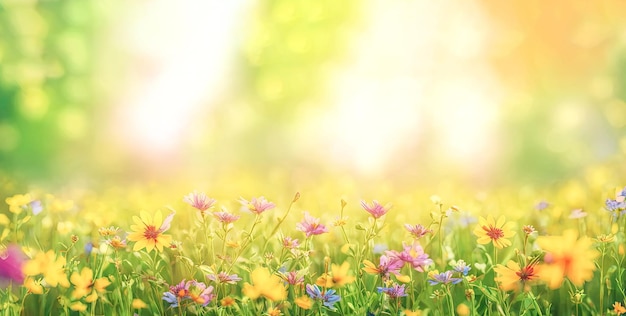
479,91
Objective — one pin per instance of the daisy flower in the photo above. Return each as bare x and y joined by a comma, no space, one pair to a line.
515,278
199,201
148,231
490,230
257,205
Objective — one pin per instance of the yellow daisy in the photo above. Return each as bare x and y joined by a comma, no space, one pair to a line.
498,232
148,231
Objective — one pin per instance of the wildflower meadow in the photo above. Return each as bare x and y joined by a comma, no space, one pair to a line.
117,252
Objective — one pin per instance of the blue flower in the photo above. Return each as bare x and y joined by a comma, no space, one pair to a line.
461,267
328,297
170,298
443,278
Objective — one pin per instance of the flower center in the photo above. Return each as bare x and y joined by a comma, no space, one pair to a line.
526,273
493,232
151,232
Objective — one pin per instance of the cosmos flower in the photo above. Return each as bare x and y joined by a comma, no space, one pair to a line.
148,231
412,254
567,256
488,230
394,291
294,278
224,277
257,205
434,278
386,266
515,278
375,209
417,231
199,293
290,243
327,297
311,226
11,262
265,284
225,217
199,201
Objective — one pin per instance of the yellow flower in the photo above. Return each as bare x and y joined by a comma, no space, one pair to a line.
370,267
618,308
51,267
84,284
408,312
78,306
18,202
148,231
513,277
33,286
138,304
304,302
498,232
338,278
227,301
265,284
567,256
273,311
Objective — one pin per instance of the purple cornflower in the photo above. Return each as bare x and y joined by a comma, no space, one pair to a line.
442,278
199,201
615,207
225,217
311,226
461,267
257,205
413,255
224,277
170,298
11,262
376,210
394,292
327,297
418,231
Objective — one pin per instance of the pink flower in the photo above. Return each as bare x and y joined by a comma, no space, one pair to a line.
257,205
199,201
225,217
375,209
418,231
290,243
11,262
311,226
294,278
413,255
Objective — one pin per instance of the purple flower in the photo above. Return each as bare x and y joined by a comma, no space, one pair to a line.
311,226
376,210
328,297
199,201
394,292
418,231
294,278
257,205
171,299
11,262
461,267
36,206
542,205
199,293
442,278
224,277
290,243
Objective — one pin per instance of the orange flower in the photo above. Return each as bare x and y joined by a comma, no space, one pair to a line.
619,309
498,232
513,277
567,256
148,231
